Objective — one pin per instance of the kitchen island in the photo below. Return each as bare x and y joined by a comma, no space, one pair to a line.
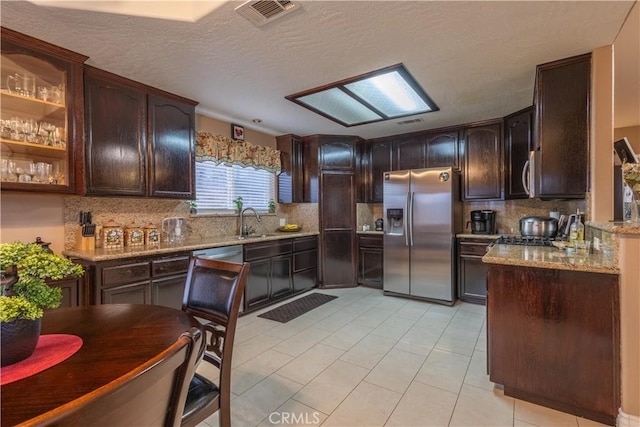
554,330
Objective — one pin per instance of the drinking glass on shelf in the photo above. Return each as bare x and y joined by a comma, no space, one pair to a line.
49,129
57,94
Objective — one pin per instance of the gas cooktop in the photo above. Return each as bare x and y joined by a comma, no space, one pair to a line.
524,241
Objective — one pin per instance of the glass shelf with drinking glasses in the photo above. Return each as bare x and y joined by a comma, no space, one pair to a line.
33,122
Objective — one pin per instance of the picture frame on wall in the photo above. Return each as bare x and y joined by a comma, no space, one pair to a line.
237,132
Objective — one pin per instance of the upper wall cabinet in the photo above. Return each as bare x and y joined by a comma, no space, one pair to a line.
562,98
441,149
42,115
139,140
408,152
518,142
291,178
377,159
483,162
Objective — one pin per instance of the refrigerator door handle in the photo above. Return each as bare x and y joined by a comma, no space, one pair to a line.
410,213
406,227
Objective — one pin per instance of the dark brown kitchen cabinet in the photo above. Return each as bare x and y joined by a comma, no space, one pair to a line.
171,148
41,103
291,178
408,152
518,142
472,272
483,161
553,338
305,263
377,161
139,140
561,132
370,260
157,280
270,277
338,194
441,149
72,291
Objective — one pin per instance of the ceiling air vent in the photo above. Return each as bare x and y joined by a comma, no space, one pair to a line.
264,11
408,122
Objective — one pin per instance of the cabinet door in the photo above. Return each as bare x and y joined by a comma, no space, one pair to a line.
281,271
371,261
168,291
562,128
115,146
408,153
171,148
71,292
42,115
134,293
256,291
291,178
379,161
483,163
518,129
441,149
338,153
305,280
472,279
338,259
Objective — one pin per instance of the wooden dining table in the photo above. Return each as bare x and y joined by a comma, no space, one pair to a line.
117,338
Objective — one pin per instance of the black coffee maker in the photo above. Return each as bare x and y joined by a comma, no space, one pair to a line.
483,222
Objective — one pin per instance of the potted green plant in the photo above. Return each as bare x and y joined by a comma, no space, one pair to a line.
25,294
272,206
193,207
238,202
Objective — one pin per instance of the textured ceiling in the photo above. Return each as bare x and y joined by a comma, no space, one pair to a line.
476,59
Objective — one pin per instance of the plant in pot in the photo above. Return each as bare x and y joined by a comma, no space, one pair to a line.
25,295
193,207
238,202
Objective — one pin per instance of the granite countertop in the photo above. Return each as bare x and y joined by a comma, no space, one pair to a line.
549,257
376,233
617,227
101,254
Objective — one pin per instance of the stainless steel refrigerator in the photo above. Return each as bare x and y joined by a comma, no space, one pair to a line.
422,214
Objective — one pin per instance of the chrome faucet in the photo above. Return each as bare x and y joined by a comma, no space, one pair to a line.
244,230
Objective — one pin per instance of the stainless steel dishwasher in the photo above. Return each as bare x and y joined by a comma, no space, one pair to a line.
225,253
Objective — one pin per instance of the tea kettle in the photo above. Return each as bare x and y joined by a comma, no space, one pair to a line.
173,227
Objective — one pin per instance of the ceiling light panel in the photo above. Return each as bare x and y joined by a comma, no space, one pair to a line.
385,94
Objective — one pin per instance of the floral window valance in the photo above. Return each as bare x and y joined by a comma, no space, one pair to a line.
220,149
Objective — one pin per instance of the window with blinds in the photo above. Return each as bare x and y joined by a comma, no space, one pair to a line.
217,185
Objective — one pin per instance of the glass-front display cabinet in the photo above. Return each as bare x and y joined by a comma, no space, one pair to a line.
41,115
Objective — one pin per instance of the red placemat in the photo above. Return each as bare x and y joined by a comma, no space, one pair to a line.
51,350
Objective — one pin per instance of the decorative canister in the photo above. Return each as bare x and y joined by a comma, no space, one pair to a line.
133,235
112,235
151,235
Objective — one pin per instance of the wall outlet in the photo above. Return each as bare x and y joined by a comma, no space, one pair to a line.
596,244
283,222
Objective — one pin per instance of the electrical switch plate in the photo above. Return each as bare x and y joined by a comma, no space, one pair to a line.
283,222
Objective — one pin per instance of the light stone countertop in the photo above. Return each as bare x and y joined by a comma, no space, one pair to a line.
549,257
373,232
101,254
617,227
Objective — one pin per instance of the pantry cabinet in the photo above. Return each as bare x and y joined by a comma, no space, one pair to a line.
41,113
139,140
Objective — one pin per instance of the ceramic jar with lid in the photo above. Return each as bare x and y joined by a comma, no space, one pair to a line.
151,235
133,235
112,235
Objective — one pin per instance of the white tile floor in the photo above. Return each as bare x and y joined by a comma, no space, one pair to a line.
365,359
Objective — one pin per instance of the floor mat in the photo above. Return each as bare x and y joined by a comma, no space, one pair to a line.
296,308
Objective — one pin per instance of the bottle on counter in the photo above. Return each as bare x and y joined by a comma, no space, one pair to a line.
579,229
573,232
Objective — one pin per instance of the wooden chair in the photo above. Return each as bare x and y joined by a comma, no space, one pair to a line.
213,292
151,395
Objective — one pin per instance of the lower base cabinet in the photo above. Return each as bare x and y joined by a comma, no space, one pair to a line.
370,260
279,269
472,272
72,291
157,280
554,340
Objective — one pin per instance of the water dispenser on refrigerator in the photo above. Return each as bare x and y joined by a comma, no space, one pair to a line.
395,221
